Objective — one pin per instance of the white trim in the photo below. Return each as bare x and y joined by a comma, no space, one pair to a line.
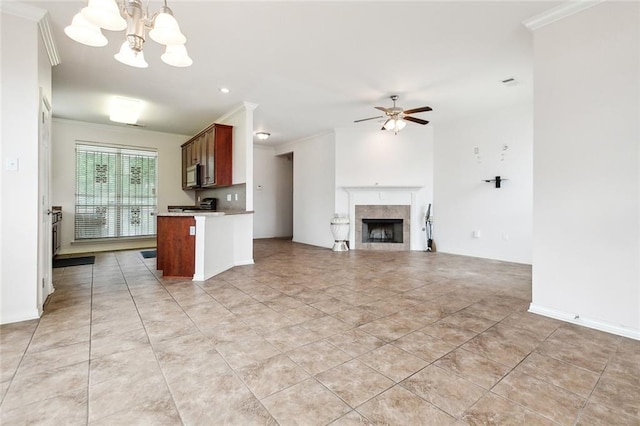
244,262
619,330
559,12
49,41
382,188
18,317
22,10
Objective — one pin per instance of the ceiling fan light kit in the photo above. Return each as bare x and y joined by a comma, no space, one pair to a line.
86,27
397,117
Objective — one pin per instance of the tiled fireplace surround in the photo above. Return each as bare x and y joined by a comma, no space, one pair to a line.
383,212
377,202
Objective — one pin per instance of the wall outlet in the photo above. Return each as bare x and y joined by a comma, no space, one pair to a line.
236,196
476,234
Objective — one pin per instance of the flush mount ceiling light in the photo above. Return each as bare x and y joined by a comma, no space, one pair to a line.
263,136
125,110
86,27
224,90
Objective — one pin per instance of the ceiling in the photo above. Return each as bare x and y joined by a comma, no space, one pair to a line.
310,66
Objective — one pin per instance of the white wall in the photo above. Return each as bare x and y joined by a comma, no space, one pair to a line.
65,133
23,69
369,158
587,166
313,188
463,203
242,121
273,193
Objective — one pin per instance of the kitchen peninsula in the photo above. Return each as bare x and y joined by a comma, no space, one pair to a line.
200,244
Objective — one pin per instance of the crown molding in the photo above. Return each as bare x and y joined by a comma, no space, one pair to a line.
35,14
559,12
49,41
22,10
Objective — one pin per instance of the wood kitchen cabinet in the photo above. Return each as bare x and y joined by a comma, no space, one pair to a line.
176,246
212,149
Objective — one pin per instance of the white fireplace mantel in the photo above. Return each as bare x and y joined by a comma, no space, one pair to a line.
385,195
382,188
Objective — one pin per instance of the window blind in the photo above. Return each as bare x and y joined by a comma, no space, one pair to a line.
115,192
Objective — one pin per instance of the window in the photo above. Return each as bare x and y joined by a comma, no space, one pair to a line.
115,192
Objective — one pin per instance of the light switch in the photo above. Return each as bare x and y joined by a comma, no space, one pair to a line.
192,230
228,197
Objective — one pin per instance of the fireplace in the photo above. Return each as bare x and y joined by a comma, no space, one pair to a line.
382,227
382,230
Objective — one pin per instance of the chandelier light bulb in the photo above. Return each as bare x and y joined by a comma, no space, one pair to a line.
128,56
166,29
85,32
176,55
400,124
104,14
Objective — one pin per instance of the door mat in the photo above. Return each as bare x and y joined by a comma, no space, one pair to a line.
148,254
73,261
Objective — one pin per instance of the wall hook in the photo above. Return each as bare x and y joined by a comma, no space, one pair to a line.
497,180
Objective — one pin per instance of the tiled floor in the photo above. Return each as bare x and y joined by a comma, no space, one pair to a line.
307,336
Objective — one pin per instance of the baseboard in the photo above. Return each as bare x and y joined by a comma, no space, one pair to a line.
243,262
586,322
19,317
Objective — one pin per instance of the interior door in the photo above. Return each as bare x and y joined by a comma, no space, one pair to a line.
45,250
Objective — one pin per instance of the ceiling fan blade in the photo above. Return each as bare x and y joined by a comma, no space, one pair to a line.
383,109
370,118
421,109
415,120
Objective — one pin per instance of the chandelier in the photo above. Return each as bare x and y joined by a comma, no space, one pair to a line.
130,16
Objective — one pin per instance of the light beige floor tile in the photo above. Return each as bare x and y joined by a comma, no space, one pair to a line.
601,415
354,382
272,375
393,362
558,373
620,394
26,389
352,418
424,346
355,342
288,338
158,412
492,409
550,401
121,393
248,351
39,362
398,406
307,403
447,391
167,348
318,356
63,409
476,368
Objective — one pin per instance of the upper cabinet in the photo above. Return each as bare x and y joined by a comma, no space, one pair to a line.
212,150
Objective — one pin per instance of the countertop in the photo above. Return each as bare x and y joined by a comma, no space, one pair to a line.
206,213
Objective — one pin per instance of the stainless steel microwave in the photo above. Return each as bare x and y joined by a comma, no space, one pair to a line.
193,176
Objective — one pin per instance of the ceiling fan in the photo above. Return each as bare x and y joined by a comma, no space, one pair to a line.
397,117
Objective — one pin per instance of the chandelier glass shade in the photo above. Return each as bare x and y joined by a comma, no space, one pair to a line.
395,124
86,28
